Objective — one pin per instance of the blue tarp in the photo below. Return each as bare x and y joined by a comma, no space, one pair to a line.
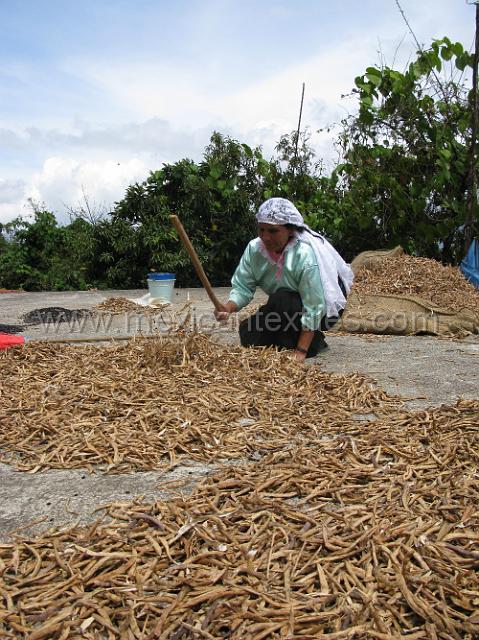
470,264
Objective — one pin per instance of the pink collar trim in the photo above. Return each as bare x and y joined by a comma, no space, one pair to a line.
277,258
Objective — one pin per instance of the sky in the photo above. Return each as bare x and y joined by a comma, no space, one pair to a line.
96,94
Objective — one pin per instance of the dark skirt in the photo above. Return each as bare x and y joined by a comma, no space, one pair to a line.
278,324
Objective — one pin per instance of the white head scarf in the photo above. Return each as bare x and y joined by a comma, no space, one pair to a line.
330,263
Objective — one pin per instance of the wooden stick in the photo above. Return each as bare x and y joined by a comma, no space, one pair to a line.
104,338
196,262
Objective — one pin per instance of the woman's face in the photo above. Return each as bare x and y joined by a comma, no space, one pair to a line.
274,236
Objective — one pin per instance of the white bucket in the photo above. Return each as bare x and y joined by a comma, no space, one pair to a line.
161,285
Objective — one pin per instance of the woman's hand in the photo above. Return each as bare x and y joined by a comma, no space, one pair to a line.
222,314
299,356
304,342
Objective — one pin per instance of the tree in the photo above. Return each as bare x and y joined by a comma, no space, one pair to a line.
40,255
214,199
404,175
298,168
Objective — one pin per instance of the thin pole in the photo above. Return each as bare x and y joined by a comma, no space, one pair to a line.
471,205
299,128
88,339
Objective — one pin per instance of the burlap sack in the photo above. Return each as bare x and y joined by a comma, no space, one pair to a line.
400,315
403,315
368,258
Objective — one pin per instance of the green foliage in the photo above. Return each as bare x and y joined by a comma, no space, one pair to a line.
298,169
404,174
40,255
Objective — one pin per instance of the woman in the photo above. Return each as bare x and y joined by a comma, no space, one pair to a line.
306,279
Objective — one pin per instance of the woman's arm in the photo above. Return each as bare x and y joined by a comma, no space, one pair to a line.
304,342
311,291
243,287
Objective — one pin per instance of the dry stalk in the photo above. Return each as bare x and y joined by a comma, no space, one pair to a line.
405,275
370,536
151,402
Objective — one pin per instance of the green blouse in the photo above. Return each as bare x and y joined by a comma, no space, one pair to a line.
299,272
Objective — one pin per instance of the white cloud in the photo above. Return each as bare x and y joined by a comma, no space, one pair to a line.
12,199
276,101
179,103
9,190
64,182
82,138
150,90
193,100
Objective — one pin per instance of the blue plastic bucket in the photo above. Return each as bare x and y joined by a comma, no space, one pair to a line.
161,285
